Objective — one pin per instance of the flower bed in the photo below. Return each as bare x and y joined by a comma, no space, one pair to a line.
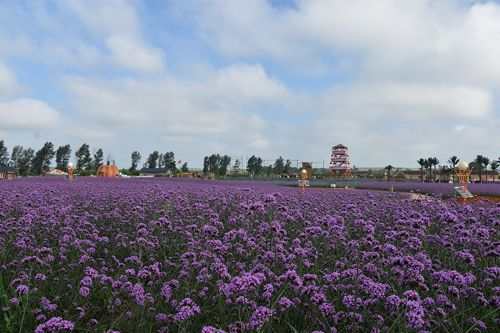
165,255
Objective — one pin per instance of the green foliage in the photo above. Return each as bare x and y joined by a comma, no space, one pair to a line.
254,165
152,161
279,166
83,158
136,158
4,155
98,160
216,164
63,154
41,161
129,172
85,173
24,164
169,161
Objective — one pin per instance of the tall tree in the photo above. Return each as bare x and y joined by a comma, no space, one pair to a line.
453,161
4,155
254,165
479,163
98,160
136,158
494,166
269,170
435,163
206,164
224,163
486,162
288,167
279,166
426,167
258,166
161,161
83,157
63,155
250,164
43,157
169,161
24,163
389,168
214,163
184,167
421,162
16,154
153,160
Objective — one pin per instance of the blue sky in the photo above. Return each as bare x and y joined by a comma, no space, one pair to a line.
393,80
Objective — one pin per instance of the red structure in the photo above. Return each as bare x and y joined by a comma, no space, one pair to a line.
340,159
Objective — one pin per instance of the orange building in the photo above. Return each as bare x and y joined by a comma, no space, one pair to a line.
108,171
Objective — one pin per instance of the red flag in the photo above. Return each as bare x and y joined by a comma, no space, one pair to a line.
179,162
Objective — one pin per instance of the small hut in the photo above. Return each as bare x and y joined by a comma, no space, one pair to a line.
7,172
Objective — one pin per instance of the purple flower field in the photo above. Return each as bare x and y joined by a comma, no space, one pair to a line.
444,189
163,255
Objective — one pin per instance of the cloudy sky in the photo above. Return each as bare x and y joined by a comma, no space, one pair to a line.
394,80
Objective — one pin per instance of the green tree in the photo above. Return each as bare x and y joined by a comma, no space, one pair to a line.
136,158
453,161
98,160
152,161
42,159
279,166
214,163
288,167
63,155
432,162
161,161
422,163
83,158
486,162
479,162
269,170
184,167
224,163
4,155
435,163
494,166
206,164
16,155
388,169
169,161
250,165
25,161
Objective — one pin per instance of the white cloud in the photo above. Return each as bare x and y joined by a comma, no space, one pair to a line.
410,40
409,101
28,114
132,54
8,82
183,110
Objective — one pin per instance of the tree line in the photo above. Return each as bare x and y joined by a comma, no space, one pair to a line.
29,162
479,164
218,165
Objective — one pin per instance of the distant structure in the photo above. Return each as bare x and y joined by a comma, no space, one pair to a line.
340,159
236,167
7,172
152,172
308,167
108,170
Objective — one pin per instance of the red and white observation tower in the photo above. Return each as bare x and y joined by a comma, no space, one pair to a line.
340,159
